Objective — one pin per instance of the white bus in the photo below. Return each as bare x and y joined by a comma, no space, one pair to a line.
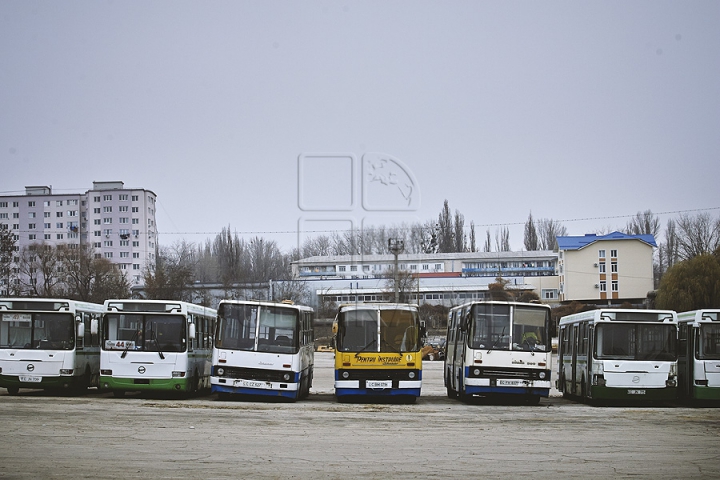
699,355
263,348
156,345
618,354
49,343
498,349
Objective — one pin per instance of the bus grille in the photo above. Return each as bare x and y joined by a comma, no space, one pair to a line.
522,373
251,374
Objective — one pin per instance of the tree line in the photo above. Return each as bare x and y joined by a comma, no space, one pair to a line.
228,259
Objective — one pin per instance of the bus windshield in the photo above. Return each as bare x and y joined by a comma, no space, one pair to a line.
529,329
709,344
149,333
490,327
49,331
632,341
275,331
399,331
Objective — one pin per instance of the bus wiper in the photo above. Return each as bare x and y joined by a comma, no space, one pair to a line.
128,345
153,337
363,348
502,334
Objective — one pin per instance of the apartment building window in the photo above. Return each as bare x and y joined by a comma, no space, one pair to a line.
31,204
613,253
107,231
413,267
108,254
438,266
59,225
353,268
60,236
123,208
123,197
96,199
96,210
122,266
72,235
47,225
107,220
603,286
135,221
136,266
613,267
341,268
16,204
59,214
107,209
4,215
601,253
72,202
72,213
107,198
601,265
32,236
3,204
47,236
97,221
97,244
124,243
134,198
107,243
31,214
16,215
47,214
97,233
31,226
135,210
614,286
136,244
426,266
123,220
58,203
136,232
136,255
124,254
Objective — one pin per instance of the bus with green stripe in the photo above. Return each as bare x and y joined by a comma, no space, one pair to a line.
618,354
49,344
699,355
156,346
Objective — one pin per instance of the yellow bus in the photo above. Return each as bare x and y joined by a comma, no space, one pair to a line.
378,350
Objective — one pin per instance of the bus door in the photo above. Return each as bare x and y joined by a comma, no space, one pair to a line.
574,347
590,349
460,347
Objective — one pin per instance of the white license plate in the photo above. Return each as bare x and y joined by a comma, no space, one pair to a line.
378,383
636,392
31,378
252,384
510,383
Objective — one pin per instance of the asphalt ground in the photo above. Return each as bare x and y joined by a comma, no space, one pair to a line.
99,436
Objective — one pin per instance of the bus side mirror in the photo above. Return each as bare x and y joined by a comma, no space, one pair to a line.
94,326
80,330
191,332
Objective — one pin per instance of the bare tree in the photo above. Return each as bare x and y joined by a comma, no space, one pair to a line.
459,233
548,231
487,246
643,223
7,251
473,245
407,284
502,239
697,235
172,277
297,291
40,271
88,278
530,238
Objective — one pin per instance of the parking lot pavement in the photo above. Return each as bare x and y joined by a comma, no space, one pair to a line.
99,436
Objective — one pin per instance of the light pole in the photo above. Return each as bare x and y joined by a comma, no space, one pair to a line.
396,246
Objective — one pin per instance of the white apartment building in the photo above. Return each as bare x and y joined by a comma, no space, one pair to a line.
606,269
117,222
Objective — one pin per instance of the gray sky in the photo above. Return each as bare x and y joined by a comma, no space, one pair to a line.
573,110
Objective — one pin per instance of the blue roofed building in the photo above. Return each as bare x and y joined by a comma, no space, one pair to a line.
606,269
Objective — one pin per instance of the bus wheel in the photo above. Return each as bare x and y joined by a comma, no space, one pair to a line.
532,400
13,390
451,393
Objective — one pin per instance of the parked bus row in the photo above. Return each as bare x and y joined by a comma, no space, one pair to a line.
494,349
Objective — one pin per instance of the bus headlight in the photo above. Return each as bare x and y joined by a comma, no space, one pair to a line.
346,374
411,375
220,371
541,375
66,371
178,374
476,372
286,377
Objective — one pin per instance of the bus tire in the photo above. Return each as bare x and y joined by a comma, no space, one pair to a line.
451,393
532,400
13,390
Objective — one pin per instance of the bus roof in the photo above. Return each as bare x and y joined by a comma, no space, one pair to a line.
157,306
263,303
621,315
702,315
58,304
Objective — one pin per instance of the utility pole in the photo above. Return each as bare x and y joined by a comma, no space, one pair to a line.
396,246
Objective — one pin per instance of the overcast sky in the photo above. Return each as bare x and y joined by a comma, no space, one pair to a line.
275,116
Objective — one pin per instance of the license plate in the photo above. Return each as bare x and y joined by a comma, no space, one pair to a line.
30,378
252,384
510,383
378,383
636,392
